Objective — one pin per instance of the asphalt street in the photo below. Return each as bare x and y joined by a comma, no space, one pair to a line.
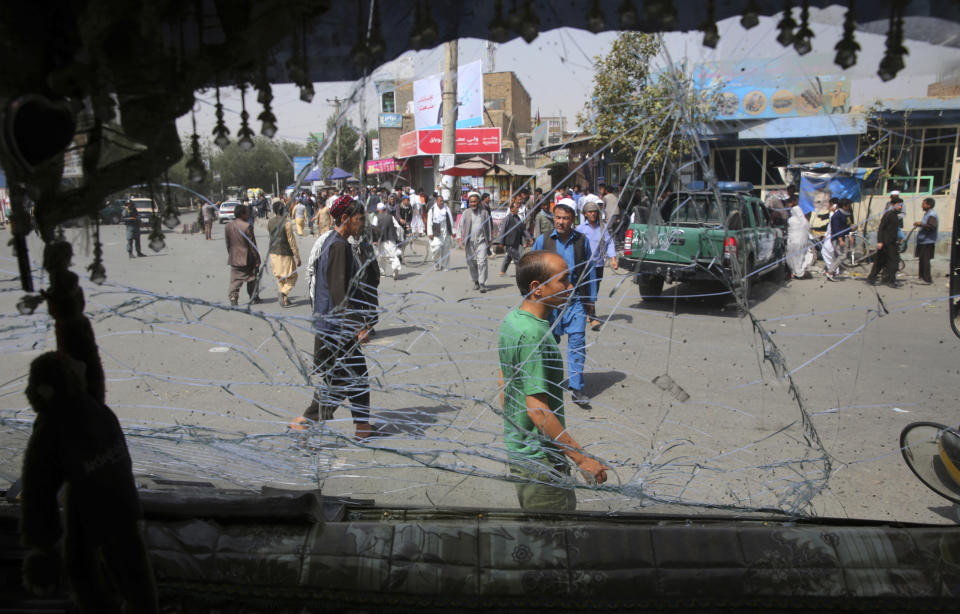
177,357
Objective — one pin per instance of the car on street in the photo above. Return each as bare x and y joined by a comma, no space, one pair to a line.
705,236
227,209
112,213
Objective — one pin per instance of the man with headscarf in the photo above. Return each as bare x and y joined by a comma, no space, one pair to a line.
339,323
440,233
475,237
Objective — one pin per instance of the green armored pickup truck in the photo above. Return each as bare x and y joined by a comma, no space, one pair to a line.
700,239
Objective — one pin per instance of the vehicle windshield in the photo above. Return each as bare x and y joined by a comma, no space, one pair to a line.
414,374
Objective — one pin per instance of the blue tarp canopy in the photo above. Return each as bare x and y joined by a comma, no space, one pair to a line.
313,175
339,173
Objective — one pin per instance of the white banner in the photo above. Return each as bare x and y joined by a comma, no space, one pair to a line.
428,98
375,149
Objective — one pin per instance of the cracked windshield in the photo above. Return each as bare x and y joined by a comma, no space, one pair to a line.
701,272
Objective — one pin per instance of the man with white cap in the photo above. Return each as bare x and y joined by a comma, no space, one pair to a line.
601,246
475,237
388,233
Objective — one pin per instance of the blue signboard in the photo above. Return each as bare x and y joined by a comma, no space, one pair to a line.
299,163
391,120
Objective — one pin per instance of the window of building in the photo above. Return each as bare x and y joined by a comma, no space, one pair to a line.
554,124
725,164
775,158
388,103
918,160
814,152
751,165
615,175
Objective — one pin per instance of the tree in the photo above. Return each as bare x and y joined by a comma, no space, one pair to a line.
347,142
656,115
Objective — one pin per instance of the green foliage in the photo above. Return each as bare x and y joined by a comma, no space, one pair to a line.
257,168
655,114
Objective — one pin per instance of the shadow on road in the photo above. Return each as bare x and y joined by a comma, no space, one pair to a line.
595,383
408,421
399,330
705,299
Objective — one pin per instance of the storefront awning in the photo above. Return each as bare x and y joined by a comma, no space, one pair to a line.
812,126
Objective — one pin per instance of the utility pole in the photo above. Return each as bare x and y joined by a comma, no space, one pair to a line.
448,145
336,114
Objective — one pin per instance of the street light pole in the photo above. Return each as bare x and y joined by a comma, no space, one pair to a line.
448,146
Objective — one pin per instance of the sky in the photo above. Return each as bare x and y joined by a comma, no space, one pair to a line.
557,71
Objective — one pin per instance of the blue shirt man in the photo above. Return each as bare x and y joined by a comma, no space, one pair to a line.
571,320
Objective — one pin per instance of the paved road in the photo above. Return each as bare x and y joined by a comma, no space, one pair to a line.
205,391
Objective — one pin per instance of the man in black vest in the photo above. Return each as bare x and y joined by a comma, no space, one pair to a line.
888,254
572,319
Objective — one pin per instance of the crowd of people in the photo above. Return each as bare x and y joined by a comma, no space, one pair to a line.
828,234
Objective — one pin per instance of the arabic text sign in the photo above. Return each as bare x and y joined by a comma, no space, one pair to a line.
386,165
391,120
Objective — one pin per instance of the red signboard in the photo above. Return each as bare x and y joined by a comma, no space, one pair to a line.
407,146
469,141
384,165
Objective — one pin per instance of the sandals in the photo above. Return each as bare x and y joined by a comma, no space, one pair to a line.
300,424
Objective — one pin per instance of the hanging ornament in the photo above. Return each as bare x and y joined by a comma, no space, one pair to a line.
848,47
244,134
195,169
595,20
360,50
497,29
428,30
786,25
804,34
660,11
220,131
709,28
376,42
416,40
627,13
515,18
751,15
156,235
171,218
98,274
530,27
892,61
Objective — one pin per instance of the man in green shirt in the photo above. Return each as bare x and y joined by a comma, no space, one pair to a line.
531,372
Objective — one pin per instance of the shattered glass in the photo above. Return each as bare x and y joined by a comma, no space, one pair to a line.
788,399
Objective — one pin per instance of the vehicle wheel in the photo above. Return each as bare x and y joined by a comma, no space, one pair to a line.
651,286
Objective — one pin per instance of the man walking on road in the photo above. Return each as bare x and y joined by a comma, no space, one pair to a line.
300,215
514,235
926,239
388,242
572,319
131,219
475,236
284,253
339,324
209,215
887,258
601,246
531,375
242,256
440,234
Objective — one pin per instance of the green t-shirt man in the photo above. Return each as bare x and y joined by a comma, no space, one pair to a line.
531,363
531,370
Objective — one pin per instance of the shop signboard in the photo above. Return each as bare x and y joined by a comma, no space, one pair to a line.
386,165
469,141
391,120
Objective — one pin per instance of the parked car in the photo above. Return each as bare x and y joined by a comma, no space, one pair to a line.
112,213
227,210
700,238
